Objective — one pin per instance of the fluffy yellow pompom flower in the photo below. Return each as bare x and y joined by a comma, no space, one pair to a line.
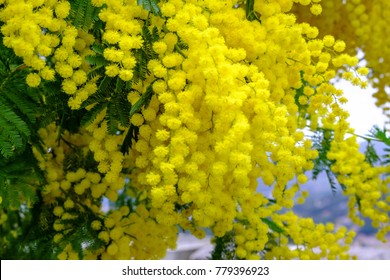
112,70
172,60
58,211
112,249
363,71
162,134
58,237
65,70
125,75
111,36
302,178
69,86
61,54
128,62
47,74
74,60
137,119
33,80
153,178
116,233
103,235
160,47
339,46
316,9
96,225
79,77
113,54
161,151
328,40
62,9
68,204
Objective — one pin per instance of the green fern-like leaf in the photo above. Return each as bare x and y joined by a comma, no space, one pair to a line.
150,5
224,248
322,143
143,101
132,134
83,14
371,154
145,54
19,105
273,226
18,178
386,158
13,119
91,115
106,87
96,60
98,48
13,132
380,135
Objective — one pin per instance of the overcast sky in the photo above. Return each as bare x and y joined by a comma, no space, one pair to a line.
361,106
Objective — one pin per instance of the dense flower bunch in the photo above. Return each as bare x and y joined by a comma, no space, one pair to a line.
368,193
363,25
38,29
230,101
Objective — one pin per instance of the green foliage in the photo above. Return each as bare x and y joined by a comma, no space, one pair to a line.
80,234
13,133
379,135
143,101
19,122
27,233
97,61
224,248
112,91
249,9
250,12
150,5
146,53
78,159
273,226
83,14
226,245
132,133
371,155
18,178
321,142
18,105
302,109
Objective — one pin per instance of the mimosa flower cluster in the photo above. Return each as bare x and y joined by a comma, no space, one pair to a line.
37,30
231,99
367,188
363,24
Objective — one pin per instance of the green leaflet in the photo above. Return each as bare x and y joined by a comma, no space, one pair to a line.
83,14
17,179
132,133
112,91
150,5
379,135
371,154
91,115
322,143
273,226
13,132
143,101
18,105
